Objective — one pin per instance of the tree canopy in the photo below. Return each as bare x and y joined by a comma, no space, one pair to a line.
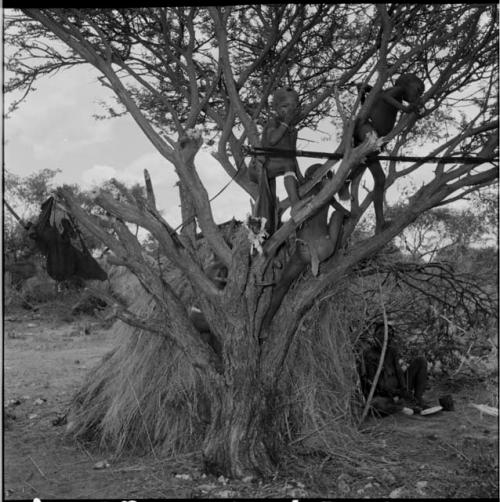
204,75
179,68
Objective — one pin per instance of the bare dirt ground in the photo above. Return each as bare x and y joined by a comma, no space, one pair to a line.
450,454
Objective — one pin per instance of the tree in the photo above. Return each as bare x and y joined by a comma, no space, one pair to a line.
443,231
26,195
485,205
205,74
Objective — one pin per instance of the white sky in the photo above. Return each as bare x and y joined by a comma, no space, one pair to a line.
54,128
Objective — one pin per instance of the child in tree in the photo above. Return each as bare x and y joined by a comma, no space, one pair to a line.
278,133
381,118
317,240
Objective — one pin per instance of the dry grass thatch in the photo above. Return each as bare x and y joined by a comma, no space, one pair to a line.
144,395
323,383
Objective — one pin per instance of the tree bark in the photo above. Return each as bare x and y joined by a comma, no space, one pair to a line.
243,433
236,442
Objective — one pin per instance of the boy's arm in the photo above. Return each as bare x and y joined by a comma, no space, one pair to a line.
399,371
274,133
291,186
399,106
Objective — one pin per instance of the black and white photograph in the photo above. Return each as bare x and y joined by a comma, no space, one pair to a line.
250,251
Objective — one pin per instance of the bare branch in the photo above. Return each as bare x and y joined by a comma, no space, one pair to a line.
228,76
184,161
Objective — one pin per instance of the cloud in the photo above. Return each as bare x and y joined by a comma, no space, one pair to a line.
54,127
96,175
58,116
232,201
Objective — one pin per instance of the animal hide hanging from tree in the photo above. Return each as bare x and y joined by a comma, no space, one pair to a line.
64,260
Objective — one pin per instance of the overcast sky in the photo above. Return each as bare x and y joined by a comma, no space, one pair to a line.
54,128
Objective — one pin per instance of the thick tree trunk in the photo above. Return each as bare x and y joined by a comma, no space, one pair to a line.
235,442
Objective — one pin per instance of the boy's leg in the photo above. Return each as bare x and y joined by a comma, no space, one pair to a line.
265,205
416,377
335,228
378,194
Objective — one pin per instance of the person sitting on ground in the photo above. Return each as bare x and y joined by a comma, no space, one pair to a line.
396,388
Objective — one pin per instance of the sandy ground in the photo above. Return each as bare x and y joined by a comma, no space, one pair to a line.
450,454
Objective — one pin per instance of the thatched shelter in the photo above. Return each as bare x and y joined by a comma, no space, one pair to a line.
145,397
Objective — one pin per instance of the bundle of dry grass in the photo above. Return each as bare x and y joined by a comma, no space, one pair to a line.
145,397
143,394
322,419
322,381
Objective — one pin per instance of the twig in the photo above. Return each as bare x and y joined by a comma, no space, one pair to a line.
382,356
16,216
161,481
463,360
82,448
452,323
465,457
31,486
142,418
38,469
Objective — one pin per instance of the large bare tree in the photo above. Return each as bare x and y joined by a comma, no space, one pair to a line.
175,69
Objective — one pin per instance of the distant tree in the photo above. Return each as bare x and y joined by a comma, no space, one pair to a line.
443,232
25,194
189,75
485,204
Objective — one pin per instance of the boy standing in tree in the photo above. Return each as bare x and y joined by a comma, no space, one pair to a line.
381,118
278,133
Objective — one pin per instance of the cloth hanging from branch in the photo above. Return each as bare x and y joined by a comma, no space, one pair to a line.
276,152
64,260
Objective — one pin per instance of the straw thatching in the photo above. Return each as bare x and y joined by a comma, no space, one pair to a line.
145,397
143,392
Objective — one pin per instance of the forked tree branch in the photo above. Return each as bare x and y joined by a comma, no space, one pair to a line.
220,31
381,359
184,161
